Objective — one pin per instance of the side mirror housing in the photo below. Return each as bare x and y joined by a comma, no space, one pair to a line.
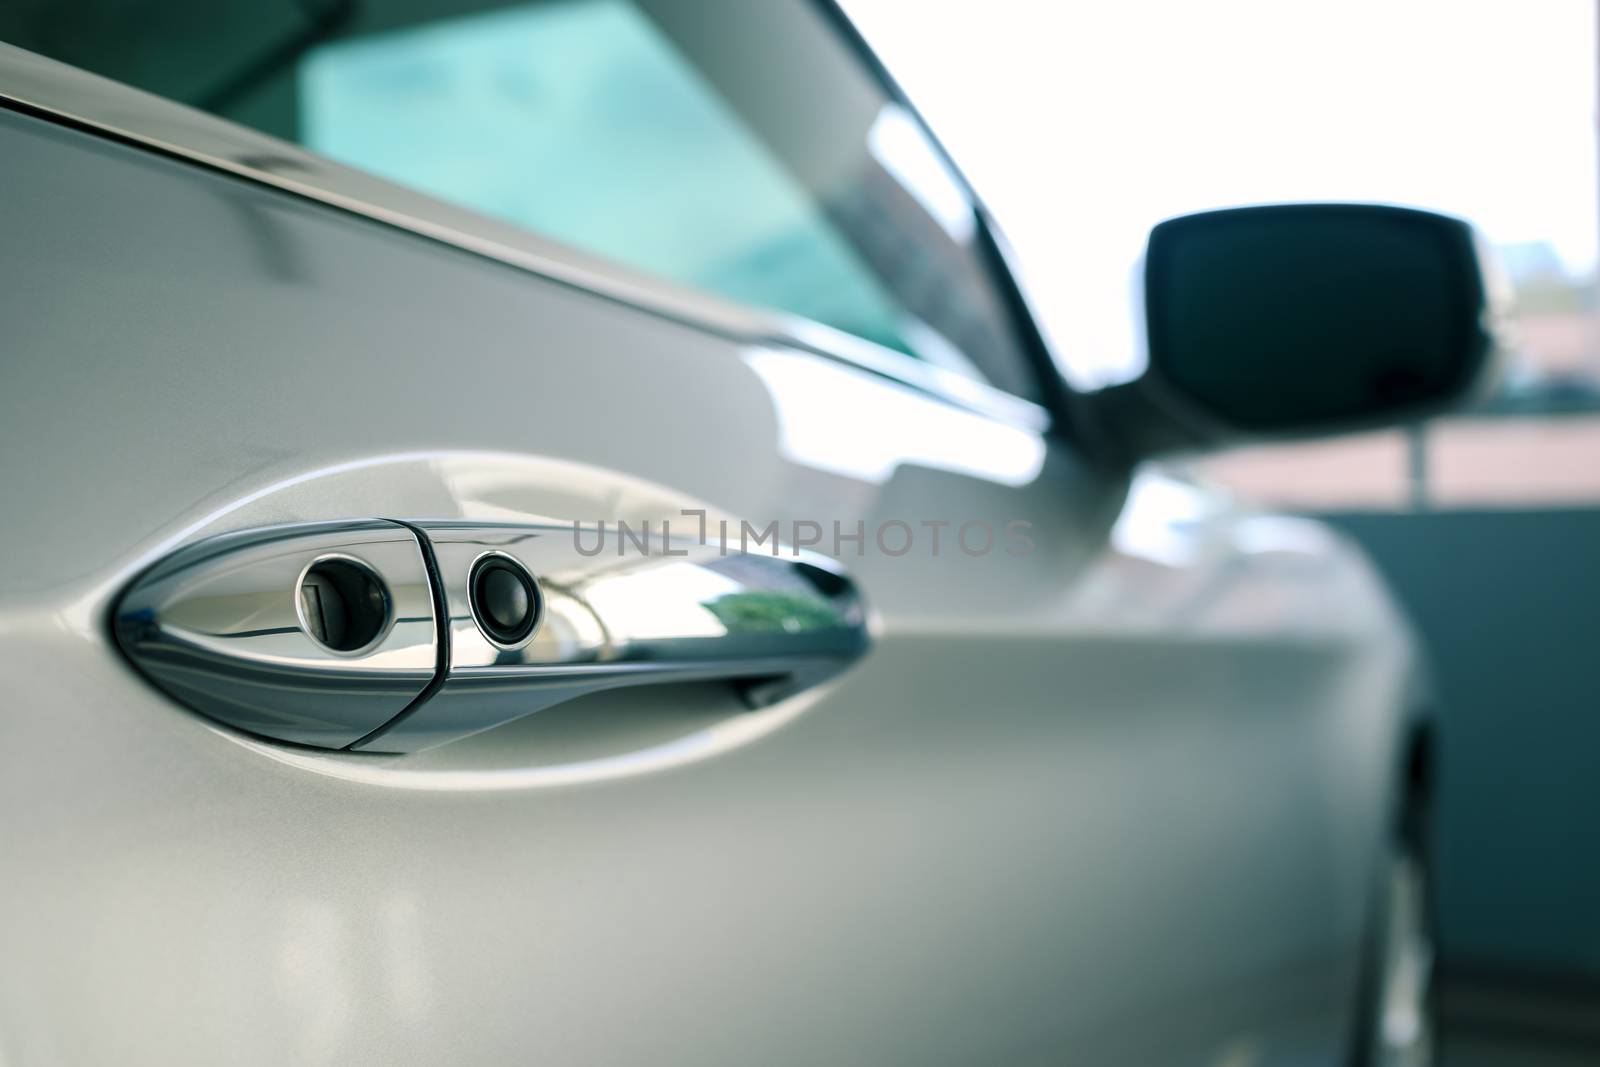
1303,319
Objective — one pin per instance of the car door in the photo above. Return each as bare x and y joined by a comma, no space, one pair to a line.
1108,786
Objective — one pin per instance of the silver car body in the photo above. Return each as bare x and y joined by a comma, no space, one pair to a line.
1119,798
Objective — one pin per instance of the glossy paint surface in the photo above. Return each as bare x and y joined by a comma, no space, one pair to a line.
1115,799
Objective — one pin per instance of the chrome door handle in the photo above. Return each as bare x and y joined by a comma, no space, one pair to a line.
384,636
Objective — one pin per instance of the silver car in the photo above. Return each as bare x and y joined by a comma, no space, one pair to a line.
548,533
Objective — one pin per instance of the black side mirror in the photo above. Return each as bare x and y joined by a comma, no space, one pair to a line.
1306,318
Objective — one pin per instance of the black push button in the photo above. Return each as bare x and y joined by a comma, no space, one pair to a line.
505,602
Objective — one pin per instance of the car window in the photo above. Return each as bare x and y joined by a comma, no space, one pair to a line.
735,148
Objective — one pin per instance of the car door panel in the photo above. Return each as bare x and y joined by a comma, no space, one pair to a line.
1110,799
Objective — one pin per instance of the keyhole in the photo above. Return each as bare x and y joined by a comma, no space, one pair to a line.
343,604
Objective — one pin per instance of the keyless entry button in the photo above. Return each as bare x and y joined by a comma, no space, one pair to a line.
505,601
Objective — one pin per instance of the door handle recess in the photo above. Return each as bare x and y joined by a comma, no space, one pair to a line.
385,636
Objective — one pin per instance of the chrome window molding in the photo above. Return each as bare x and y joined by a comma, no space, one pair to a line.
58,92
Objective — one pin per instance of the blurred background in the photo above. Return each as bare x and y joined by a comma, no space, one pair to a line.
1082,125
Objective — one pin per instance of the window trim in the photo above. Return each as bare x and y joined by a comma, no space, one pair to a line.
1063,404
65,95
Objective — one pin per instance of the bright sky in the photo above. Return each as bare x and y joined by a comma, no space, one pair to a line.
1081,123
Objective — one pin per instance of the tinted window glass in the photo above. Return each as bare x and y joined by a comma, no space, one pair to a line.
733,147
582,121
